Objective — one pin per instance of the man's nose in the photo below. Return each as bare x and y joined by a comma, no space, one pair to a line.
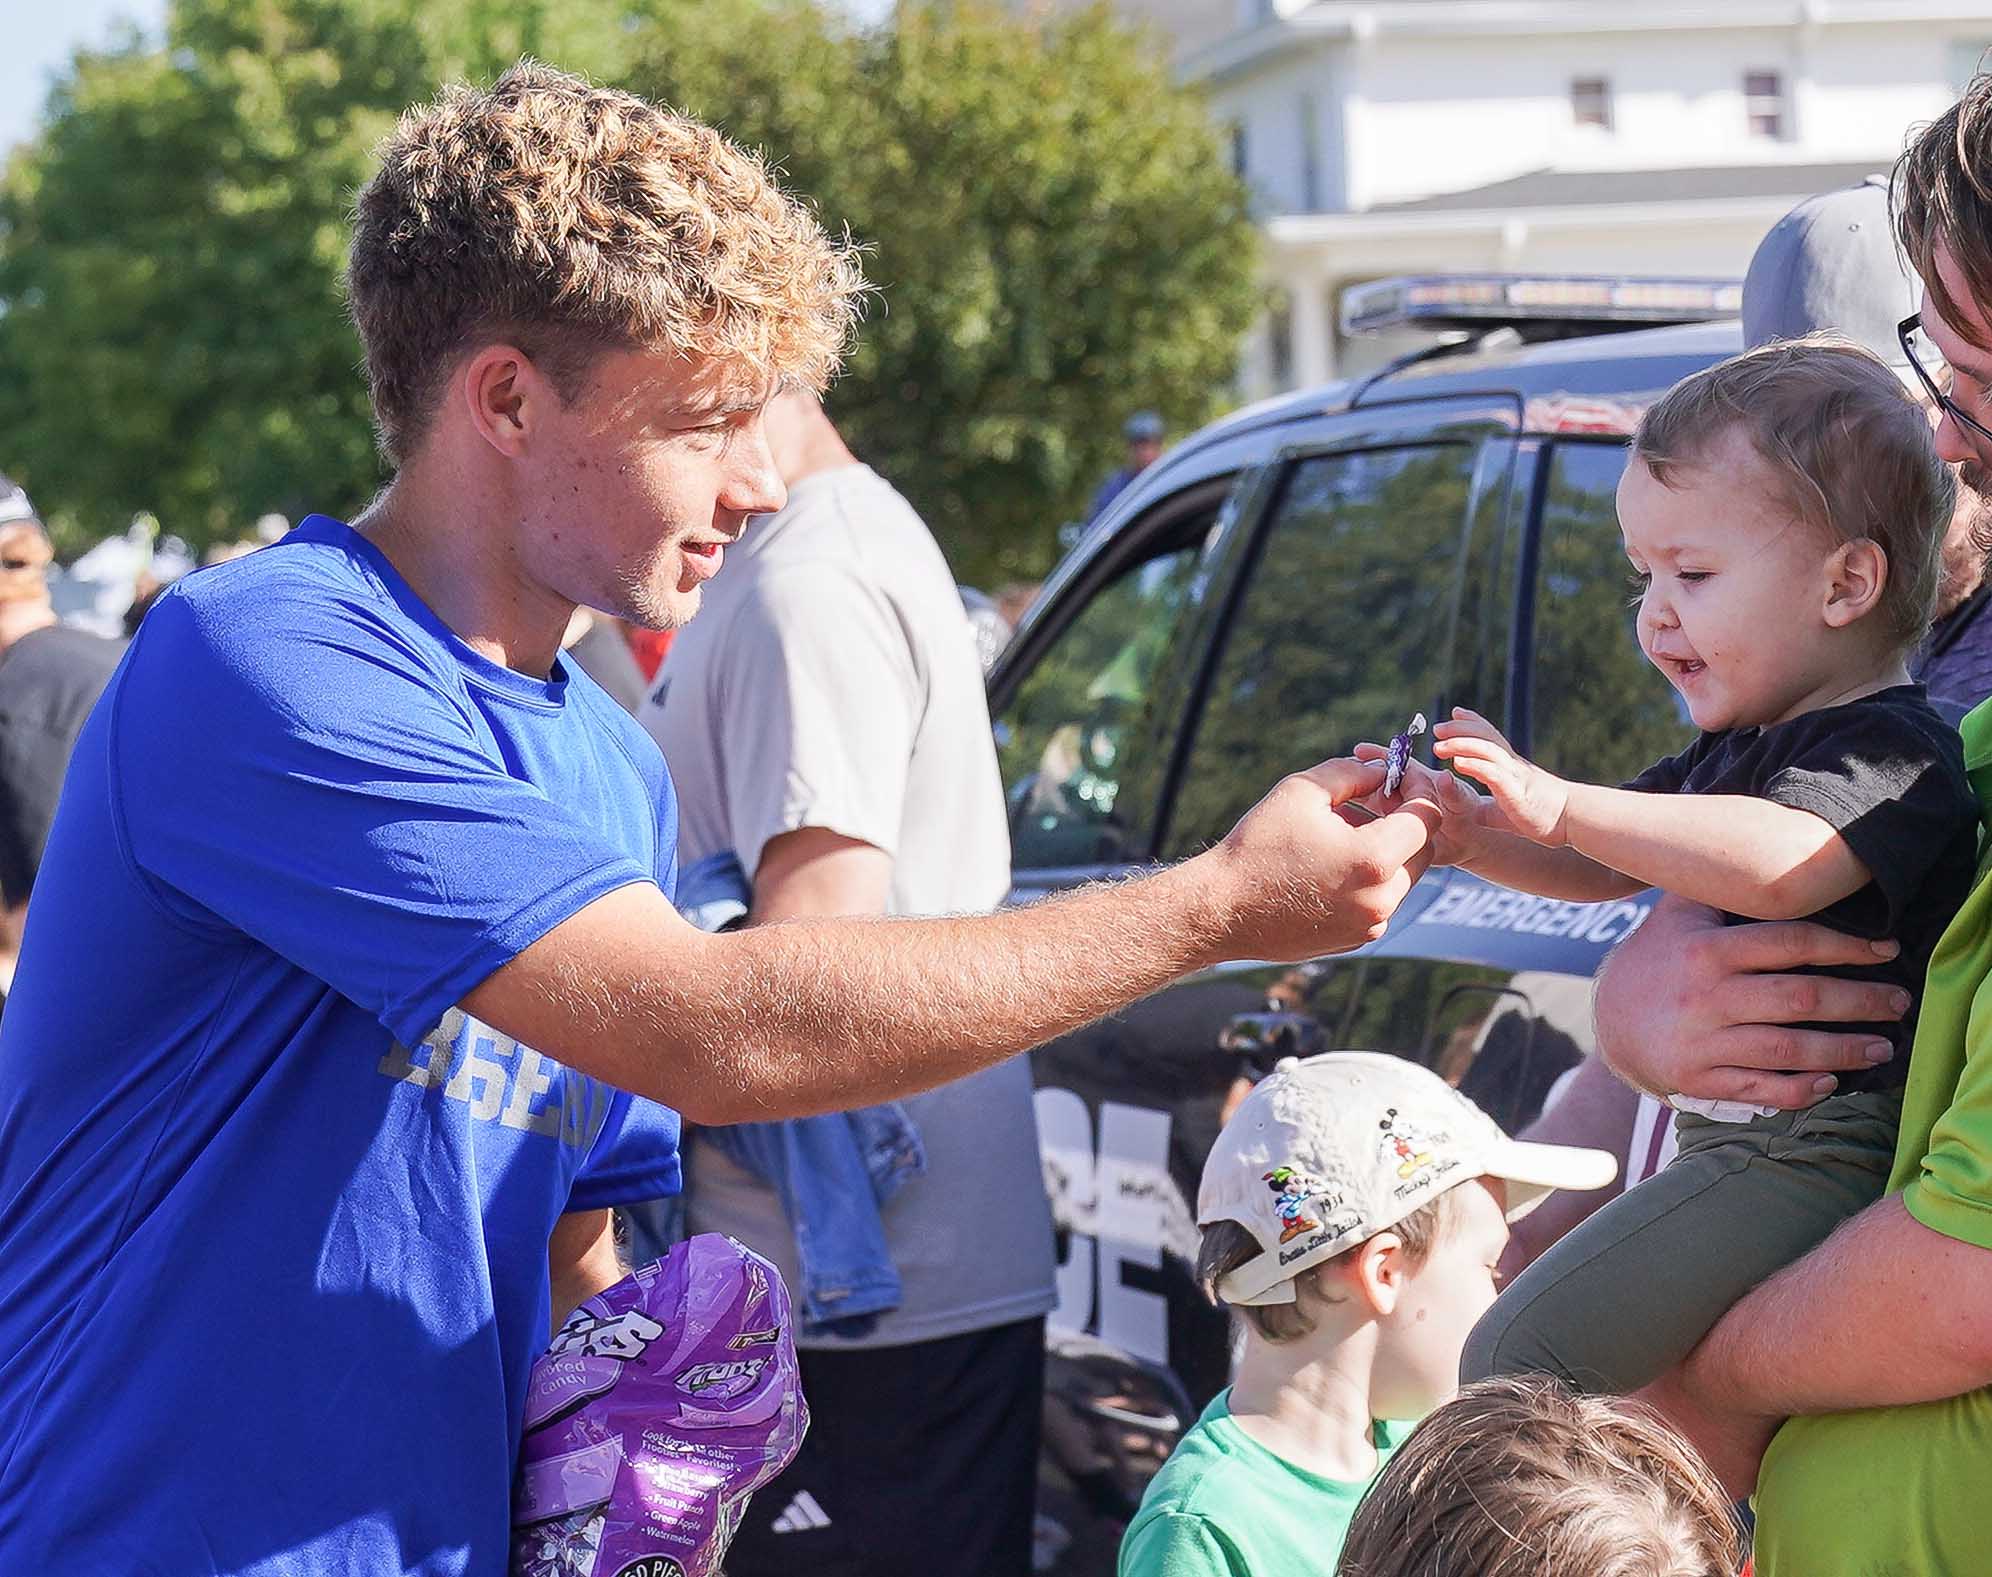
753,484
1954,445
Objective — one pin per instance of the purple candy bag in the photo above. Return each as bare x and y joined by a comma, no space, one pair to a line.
662,1404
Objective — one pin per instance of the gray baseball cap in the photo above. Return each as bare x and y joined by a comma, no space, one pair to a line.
1143,427
1832,263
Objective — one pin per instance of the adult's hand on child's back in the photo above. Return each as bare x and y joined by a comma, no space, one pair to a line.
1298,879
1689,1005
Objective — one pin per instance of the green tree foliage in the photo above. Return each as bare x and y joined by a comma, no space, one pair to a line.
174,335
1055,235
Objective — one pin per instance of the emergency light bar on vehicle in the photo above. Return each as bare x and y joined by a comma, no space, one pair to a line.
1538,306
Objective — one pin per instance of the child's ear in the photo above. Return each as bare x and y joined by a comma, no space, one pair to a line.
1856,575
1378,1272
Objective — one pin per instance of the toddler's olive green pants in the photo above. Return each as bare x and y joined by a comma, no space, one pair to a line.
1625,1295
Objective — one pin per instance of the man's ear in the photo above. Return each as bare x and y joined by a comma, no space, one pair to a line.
1376,1273
1856,575
505,396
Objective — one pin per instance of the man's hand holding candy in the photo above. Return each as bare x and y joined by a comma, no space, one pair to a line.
1463,812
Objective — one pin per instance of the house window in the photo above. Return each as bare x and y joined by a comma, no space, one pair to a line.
1591,101
1764,103
1240,160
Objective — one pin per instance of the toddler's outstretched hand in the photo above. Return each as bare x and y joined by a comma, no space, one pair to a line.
1534,802
1462,810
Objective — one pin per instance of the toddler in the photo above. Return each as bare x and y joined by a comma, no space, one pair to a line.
1784,513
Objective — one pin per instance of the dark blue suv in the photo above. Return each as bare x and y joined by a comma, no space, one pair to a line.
1300,576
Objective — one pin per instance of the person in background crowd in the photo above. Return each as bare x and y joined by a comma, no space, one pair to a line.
352,990
825,724
50,677
1831,263
648,647
1875,1345
1519,1478
1014,597
1143,432
1353,1209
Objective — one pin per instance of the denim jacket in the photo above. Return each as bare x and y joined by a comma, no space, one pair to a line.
832,1173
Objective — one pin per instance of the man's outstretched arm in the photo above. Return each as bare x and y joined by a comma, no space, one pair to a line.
810,1016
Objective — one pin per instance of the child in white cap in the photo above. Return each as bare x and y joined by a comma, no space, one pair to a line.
1353,1212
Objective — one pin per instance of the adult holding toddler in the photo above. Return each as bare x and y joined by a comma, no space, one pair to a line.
1784,514
1880,1335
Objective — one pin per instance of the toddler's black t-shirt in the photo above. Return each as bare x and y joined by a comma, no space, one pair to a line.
1886,772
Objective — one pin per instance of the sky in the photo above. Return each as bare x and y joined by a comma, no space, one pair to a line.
37,39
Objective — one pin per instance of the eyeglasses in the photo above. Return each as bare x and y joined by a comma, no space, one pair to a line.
1906,331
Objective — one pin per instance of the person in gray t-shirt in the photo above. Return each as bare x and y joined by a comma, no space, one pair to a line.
824,720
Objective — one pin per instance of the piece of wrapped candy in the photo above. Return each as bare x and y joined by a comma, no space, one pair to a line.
1399,755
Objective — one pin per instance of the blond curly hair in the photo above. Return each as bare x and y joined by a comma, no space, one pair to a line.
571,220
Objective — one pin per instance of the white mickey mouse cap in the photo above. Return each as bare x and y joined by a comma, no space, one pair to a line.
1328,1151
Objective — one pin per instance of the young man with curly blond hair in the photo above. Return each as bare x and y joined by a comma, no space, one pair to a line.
397,1003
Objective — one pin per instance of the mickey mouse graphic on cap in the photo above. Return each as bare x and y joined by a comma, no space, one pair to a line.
1291,1205
1403,1144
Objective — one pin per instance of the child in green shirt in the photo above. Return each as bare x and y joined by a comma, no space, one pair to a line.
1354,1210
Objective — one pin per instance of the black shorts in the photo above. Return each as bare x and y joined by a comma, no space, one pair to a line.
920,1461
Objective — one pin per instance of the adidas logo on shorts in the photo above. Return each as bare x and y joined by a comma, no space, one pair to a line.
801,1515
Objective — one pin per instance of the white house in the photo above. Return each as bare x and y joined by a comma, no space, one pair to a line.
1652,136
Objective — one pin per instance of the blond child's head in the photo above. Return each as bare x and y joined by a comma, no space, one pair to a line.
1784,513
1357,1196
1520,1478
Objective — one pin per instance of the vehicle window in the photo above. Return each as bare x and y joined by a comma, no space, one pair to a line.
1062,741
1343,631
1600,711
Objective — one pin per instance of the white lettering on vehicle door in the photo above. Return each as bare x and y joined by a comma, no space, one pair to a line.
1121,1207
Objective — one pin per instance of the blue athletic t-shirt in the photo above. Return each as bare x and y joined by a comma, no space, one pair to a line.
273,1210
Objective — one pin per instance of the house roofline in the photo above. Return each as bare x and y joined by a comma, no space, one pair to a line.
1330,21
1292,233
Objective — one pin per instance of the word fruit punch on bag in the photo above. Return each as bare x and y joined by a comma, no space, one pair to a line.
662,1404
